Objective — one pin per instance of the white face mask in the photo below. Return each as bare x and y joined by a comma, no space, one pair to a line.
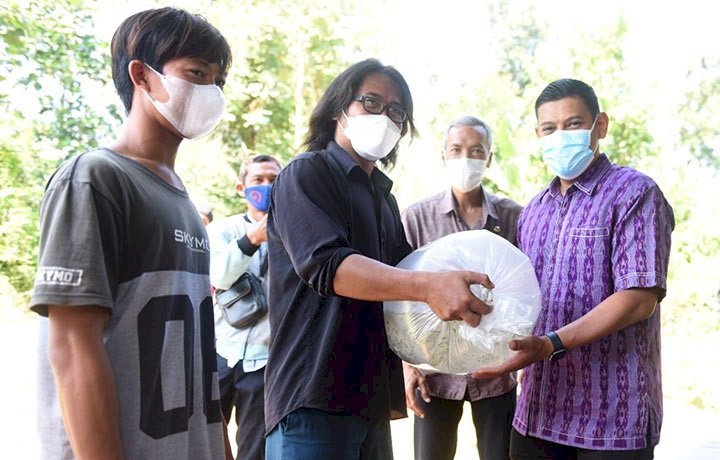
464,173
372,136
194,110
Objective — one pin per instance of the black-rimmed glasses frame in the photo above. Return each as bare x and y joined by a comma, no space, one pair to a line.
371,104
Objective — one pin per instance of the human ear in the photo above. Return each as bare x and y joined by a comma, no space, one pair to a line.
489,160
138,74
603,123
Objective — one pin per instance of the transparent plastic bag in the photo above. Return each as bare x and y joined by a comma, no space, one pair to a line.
422,339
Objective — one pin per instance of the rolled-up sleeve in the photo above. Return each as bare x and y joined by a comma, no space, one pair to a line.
311,214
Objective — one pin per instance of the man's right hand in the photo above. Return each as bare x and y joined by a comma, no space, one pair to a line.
450,297
84,380
258,234
415,379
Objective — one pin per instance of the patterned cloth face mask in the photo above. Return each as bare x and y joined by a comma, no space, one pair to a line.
259,196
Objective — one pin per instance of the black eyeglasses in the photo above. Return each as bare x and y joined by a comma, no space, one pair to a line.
374,106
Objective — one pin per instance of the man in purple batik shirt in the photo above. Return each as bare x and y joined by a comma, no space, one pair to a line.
599,239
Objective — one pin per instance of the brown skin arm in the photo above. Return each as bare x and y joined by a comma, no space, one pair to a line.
84,380
617,312
414,378
447,293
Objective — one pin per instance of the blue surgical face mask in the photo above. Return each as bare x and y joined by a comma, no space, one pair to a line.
259,196
568,152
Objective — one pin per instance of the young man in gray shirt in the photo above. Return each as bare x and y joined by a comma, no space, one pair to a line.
128,369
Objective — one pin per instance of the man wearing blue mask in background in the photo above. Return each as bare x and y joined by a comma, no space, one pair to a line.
599,239
238,244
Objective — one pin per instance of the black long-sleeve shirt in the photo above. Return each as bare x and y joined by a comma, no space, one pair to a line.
329,352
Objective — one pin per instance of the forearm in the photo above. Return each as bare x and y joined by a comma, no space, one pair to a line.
360,277
447,294
617,312
87,394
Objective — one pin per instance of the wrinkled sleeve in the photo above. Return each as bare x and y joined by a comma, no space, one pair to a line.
80,245
641,242
518,228
310,215
410,221
227,260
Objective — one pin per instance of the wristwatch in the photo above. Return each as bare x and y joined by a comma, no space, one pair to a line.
558,347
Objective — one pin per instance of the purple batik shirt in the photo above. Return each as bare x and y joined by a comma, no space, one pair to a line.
610,232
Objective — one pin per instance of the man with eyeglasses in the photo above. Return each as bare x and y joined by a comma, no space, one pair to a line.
437,399
334,234
374,106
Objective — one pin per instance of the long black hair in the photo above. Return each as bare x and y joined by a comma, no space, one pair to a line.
339,95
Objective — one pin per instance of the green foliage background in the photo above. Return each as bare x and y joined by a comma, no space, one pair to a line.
56,101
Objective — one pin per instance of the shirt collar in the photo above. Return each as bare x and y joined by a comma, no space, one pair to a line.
250,219
447,203
588,180
489,203
348,165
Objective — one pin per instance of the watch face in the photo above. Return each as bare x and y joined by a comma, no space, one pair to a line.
557,355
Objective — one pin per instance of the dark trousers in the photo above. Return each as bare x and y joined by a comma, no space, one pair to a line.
245,392
528,447
436,434
314,434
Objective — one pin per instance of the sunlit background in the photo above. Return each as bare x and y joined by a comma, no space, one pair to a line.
655,66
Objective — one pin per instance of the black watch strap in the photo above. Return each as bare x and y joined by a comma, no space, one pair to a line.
558,347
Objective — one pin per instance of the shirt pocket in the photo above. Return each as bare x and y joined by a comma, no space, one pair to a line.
589,244
589,261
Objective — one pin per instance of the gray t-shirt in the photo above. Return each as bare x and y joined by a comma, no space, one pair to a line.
114,234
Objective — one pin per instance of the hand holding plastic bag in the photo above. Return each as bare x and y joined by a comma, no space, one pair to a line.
420,338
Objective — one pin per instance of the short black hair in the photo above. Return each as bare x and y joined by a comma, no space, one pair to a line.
157,36
256,159
567,87
340,94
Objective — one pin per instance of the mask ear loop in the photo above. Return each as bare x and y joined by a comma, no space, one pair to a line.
594,121
597,146
340,124
162,78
